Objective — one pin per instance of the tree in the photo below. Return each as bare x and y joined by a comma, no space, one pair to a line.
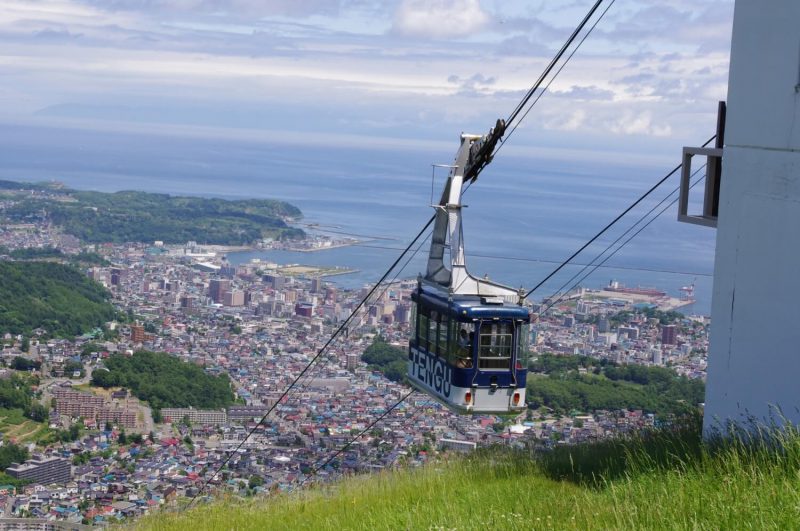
11,453
255,481
72,366
391,361
164,380
36,412
23,364
57,298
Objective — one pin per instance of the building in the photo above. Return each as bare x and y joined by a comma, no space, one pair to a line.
217,288
137,333
246,413
233,298
669,335
40,524
202,417
116,416
658,357
753,362
352,362
277,281
43,471
458,446
631,332
316,285
304,309
74,404
402,313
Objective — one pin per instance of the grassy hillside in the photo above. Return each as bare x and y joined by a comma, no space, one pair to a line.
669,480
55,297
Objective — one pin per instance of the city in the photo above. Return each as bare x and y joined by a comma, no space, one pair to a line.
262,327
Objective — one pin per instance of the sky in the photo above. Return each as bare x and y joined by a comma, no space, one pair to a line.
394,72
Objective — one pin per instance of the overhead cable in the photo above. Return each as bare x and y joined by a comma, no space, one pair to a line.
550,82
551,65
610,224
553,303
338,331
594,261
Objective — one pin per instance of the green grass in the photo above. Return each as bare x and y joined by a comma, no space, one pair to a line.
14,425
665,480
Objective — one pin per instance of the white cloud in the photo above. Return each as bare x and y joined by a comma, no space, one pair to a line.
291,8
569,121
439,18
638,123
341,69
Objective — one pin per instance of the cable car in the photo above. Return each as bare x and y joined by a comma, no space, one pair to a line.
470,335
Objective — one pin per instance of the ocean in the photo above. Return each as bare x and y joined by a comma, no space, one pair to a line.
523,217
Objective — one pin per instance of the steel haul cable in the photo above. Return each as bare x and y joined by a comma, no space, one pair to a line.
592,262
309,365
309,377
354,439
430,221
609,225
551,65
560,68
621,246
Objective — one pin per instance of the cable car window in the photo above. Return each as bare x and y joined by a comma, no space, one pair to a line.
442,342
523,342
422,330
496,340
432,332
461,337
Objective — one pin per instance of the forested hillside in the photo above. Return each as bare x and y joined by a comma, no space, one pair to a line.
97,217
55,297
165,381
388,359
565,383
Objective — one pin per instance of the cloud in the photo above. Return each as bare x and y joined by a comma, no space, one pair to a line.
350,64
571,121
55,35
290,8
475,85
701,26
638,123
439,19
522,46
586,93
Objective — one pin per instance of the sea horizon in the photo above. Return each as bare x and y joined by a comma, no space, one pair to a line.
523,217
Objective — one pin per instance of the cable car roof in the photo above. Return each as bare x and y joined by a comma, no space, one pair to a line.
469,307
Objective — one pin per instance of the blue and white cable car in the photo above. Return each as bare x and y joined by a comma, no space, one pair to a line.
470,336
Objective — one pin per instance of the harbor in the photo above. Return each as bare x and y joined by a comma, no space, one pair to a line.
617,294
